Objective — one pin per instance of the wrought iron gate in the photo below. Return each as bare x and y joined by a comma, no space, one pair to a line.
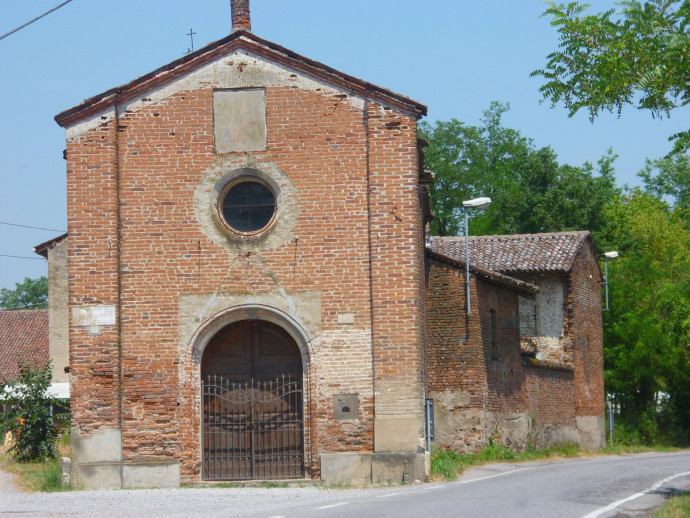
252,429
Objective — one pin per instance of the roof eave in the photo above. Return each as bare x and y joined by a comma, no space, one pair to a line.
44,248
491,276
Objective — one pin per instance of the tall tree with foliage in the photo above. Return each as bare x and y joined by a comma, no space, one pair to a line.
670,178
531,191
29,414
647,330
30,294
635,56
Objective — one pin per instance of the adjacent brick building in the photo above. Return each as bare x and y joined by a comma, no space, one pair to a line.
249,291
554,371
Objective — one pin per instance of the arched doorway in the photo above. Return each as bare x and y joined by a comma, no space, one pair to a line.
251,386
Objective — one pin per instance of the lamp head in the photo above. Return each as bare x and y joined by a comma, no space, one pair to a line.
477,203
611,255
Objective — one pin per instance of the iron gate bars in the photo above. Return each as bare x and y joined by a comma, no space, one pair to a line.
252,430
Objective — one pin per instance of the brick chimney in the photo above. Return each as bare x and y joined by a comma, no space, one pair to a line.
240,15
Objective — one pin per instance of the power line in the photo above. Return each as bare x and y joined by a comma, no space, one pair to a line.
20,256
28,226
35,19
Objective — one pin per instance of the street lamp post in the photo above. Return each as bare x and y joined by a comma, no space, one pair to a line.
607,256
479,204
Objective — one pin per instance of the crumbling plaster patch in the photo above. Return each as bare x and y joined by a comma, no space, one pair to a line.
452,399
238,69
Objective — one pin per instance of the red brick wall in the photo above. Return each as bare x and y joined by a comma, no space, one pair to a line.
455,351
397,262
479,390
329,149
505,376
92,256
465,379
551,398
584,311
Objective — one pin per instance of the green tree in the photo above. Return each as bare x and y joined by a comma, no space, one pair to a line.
670,177
531,191
635,56
30,414
647,330
30,294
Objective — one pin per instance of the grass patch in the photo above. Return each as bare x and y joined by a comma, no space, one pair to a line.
34,476
449,464
623,449
676,507
37,476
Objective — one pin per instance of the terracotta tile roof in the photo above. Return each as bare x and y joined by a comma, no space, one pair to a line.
550,252
488,275
23,335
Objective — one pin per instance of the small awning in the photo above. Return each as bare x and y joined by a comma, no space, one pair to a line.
57,390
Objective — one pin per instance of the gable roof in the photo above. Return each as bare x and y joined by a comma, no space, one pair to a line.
238,39
488,275
44,248
23,335
548,252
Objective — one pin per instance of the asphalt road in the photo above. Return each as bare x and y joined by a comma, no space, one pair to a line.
598,487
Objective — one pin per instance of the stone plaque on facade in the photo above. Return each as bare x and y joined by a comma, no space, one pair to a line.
346,406
94,316
239,119
347,319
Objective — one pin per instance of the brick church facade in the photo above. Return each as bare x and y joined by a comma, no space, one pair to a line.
249,289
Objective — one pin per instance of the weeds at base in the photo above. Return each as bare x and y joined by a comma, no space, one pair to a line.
676,507
37,476
449,464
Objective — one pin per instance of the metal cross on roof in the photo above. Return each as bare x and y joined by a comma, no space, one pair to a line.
191,34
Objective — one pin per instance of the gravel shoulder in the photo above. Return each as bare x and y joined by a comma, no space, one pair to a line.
7,486
401,501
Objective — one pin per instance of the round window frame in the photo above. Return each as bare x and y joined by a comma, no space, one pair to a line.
246,178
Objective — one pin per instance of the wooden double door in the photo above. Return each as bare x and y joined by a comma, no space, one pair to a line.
252,400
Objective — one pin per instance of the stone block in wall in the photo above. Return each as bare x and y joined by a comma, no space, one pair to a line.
346,468
151,474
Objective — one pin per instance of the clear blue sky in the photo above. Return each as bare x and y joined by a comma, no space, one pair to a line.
456,56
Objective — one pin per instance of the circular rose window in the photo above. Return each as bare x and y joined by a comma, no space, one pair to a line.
247,206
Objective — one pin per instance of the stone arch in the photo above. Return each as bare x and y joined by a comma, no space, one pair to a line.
212,325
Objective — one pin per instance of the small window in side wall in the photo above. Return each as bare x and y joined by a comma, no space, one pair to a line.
493,334
239,120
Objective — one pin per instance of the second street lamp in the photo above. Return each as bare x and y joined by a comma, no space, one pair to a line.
607,256
479,204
